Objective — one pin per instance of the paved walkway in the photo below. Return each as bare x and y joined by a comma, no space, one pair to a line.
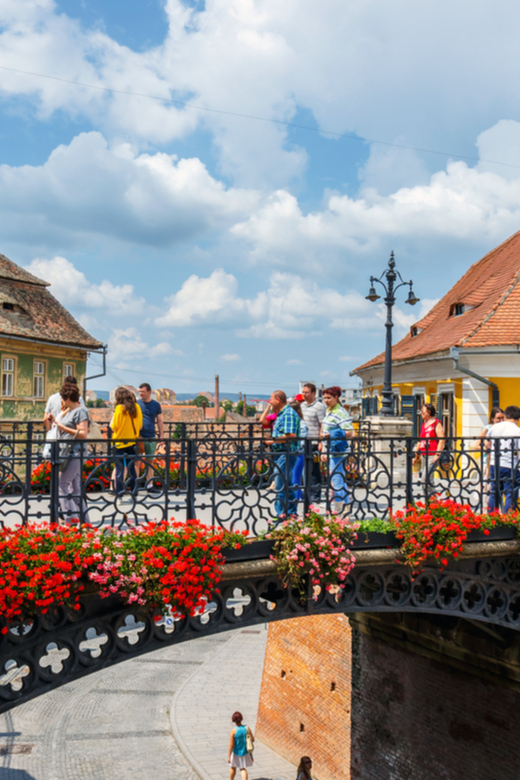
201,710
118,723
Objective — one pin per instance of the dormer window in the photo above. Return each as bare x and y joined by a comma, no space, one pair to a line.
14,307
415,330
460,308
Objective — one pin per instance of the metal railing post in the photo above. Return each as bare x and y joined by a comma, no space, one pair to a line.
308,466
54,485
410,443
191,479
28,471
182,461
167,466
496,469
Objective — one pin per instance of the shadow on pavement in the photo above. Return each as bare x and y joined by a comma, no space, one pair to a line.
6,773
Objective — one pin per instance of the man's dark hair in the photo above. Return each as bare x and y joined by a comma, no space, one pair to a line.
146,386
311,386
512,412
70,380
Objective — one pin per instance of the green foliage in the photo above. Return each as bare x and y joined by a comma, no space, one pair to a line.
201,400
250,410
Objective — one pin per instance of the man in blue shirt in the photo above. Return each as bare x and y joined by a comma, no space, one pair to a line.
152,413
286,429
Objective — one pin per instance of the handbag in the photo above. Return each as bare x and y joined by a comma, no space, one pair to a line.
65,453
249,741
52,435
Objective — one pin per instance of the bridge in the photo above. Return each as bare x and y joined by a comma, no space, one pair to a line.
482,586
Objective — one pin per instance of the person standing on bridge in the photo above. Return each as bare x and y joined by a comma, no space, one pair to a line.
239,753
286,429
152,417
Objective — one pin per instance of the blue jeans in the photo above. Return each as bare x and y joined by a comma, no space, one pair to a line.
508,487
297,475
283,470
338,478
125,457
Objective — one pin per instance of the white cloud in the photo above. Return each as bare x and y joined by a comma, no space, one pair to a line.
72,288
89,188
201,300
357,67
288,309
126,344
294,362
230,358
461,204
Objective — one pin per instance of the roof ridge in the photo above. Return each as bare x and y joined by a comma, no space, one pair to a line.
494,308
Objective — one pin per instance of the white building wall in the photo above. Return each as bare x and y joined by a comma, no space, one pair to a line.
475,402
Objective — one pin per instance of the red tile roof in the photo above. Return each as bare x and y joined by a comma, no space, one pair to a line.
491,287
33,313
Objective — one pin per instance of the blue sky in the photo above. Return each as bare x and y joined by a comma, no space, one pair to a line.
195,239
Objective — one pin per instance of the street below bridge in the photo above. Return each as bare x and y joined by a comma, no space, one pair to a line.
165,715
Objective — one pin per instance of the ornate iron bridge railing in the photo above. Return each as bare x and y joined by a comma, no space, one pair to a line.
49,650
242,482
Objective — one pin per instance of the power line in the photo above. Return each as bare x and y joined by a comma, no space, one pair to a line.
239,115
239,383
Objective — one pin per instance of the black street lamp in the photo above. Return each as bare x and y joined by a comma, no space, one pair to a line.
391,275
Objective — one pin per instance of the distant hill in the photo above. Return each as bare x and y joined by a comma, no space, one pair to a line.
230,396
105,395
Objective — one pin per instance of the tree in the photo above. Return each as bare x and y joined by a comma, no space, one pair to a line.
201,400
227,405
250,410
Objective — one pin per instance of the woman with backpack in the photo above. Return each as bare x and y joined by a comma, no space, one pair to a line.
240,747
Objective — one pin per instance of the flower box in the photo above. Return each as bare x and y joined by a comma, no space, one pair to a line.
373,540
500,533
253,551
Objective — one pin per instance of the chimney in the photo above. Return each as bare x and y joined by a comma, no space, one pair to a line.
217,397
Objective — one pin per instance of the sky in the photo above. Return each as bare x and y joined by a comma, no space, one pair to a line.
208,186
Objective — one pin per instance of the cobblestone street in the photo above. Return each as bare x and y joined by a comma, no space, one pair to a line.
140,719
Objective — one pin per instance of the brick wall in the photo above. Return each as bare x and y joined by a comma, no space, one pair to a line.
415,718
305,697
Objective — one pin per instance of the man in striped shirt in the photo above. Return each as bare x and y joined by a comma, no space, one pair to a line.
286,429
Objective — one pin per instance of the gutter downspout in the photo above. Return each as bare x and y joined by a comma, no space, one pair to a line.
455,355
95,376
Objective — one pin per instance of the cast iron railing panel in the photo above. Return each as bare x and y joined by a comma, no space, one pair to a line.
240,482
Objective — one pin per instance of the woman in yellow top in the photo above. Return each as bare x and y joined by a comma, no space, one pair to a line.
125,424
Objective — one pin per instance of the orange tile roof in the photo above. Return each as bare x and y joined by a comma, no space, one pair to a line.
491,287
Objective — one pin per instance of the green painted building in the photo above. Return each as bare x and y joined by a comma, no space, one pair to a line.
40,344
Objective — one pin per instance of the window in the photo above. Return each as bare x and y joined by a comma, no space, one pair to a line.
369,406
68,370
8,306
8,377
446,413
39,379
415,330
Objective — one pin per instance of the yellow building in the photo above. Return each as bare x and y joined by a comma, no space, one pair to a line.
464,355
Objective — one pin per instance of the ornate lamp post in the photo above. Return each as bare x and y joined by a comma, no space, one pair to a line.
391,276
